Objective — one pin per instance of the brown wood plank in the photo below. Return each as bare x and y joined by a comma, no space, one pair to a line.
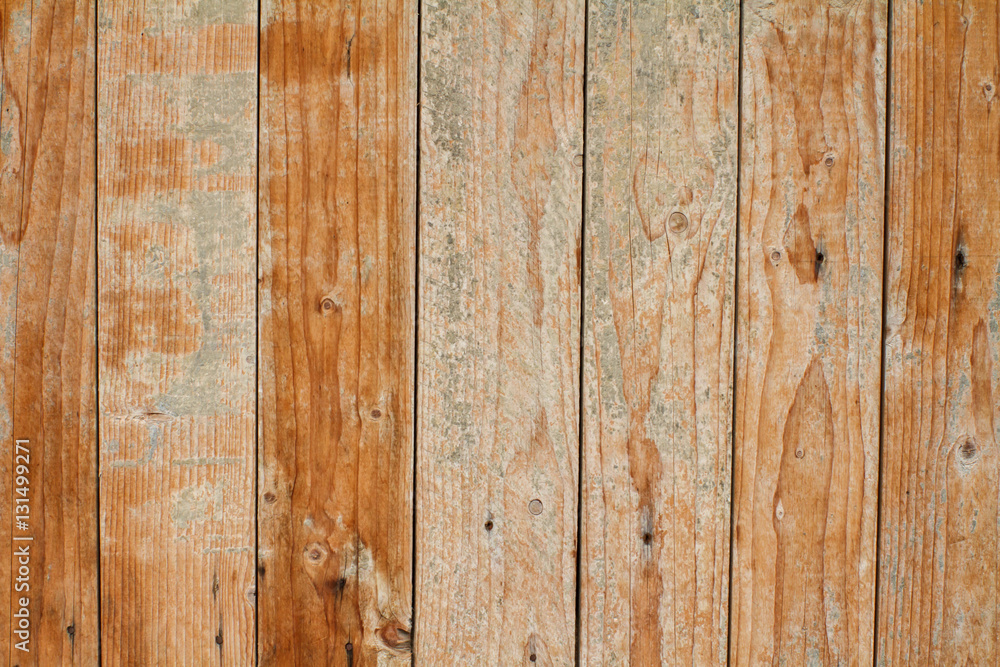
499,286
338,204
177,242
658,332
808,332
938,554
47,282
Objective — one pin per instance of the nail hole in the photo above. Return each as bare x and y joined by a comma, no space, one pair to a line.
71,630
677,222
535,507
350,647
488,525
218,639
532,657
820,257
647,538
960,260
968,449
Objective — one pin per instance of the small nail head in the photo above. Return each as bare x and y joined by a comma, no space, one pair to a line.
775,255
535,507
799,453
829,161
677,222
578,160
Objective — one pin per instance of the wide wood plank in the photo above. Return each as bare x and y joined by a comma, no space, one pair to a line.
499,294
176,290
939,561
337,271
47,373
658,332
808,331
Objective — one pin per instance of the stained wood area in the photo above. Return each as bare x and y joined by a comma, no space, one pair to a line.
938,553
177,248
499,284
382,332
808,332
47,413
658,332
337,291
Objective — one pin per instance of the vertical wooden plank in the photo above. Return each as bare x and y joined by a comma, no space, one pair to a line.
938,555
15,32
337,268
808,331
177,106
658,331
47,145
499,285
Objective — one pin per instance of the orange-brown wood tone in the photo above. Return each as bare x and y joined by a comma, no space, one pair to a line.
177,106
939,560
658,332
808,332
337,271
47,372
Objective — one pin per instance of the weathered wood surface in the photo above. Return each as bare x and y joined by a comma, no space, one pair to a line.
47,145
176,290
338,225
499,295
938,556
658,332
808,332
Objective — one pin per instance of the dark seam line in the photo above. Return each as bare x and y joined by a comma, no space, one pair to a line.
416,339
582,328
885,293
256,372
735,335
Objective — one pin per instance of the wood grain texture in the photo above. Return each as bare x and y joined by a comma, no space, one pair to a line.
47,368
176,290
337,269
808,332
938,555
499,295
658,331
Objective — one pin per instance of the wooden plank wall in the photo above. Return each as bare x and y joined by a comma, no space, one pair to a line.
381,332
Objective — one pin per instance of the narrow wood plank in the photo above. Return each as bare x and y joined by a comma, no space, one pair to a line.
177,244
498,446
15,32
938,555
808,332
338,225
47,145
658,332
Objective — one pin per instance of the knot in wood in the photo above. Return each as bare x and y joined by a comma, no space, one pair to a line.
270,497
315,552
327,305
376,414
